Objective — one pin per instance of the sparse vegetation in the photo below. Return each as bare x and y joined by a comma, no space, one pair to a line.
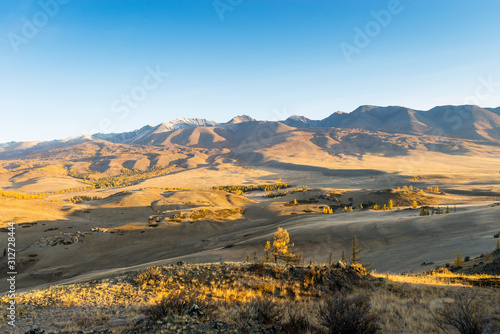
253,187
264,310
217,213
464,314
178,303
127,177
344,314
82,198
424,212
169,188
18,195
327,210
258,297
284,193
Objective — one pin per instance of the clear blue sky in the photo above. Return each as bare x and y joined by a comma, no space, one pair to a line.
265,58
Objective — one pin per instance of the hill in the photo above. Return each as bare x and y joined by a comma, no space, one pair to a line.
260,298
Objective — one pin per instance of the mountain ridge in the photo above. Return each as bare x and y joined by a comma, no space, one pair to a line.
463,121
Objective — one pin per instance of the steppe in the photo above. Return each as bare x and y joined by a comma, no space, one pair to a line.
90,210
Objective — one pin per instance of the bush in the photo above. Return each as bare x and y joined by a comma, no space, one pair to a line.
265,310
149,276
464,315
343,314
176,303
298,323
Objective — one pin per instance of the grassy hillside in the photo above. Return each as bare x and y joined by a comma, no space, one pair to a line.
262,298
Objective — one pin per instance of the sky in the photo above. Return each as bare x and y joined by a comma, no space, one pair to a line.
72,67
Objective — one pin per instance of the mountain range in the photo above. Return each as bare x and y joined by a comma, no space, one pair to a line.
466,122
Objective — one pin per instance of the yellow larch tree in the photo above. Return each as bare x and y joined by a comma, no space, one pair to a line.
282,248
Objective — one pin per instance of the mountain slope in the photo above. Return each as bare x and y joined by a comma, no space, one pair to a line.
494,110
467,122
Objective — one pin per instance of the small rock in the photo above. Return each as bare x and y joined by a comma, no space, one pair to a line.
195,311
35,331
219,325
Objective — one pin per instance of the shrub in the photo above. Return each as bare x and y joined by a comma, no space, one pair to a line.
149,276
176,303
265,310
464,315
343,314
298,323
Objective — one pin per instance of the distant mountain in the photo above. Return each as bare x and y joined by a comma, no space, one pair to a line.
2,145
124,136
494,110
241,119
333,120
16,149
137,136
300,122
466,122
391,119
182,123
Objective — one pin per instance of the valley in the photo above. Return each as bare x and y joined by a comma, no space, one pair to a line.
131,204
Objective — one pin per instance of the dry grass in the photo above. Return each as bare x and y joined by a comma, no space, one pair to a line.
237,297
443,276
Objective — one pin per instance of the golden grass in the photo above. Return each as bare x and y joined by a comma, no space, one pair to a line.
444,277
404,303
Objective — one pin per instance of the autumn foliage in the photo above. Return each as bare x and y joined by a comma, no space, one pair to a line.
281,248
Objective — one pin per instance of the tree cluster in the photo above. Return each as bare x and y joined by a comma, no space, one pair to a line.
252,187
